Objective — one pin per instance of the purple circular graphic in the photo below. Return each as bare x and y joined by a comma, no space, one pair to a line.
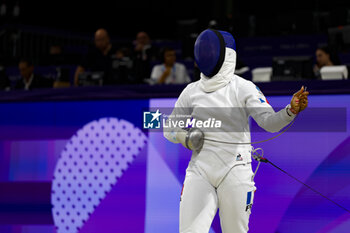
90,165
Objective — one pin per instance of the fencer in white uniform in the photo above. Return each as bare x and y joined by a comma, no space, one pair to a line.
219,175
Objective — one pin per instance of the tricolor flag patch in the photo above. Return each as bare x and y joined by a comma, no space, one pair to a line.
249,200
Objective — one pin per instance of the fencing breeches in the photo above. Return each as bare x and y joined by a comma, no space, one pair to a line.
200,201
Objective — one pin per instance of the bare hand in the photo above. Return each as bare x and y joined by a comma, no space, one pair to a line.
303,102
167,70
299,101
165,74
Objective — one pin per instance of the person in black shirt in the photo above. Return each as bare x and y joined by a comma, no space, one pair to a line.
144,54
98,59
29,80
122,68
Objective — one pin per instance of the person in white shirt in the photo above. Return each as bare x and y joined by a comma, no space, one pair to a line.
169,72
219,174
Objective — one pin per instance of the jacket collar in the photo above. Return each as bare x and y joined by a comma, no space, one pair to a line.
224,76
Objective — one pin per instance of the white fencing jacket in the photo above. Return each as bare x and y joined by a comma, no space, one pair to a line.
227,90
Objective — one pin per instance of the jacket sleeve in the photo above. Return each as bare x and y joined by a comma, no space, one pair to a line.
182,108
258,107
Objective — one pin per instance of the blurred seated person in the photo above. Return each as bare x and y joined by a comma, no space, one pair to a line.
122,67
324,57
144,54
29,80
170,72
98,59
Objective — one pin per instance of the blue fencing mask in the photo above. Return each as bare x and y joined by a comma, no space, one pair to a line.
209,50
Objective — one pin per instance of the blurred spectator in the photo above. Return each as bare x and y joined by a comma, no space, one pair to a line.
29,80
144,54
98,60
170,72
122,66
324,57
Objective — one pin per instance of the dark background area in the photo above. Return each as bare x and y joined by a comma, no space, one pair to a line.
262,29
125,18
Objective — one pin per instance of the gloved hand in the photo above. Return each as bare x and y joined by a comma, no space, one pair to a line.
192,139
